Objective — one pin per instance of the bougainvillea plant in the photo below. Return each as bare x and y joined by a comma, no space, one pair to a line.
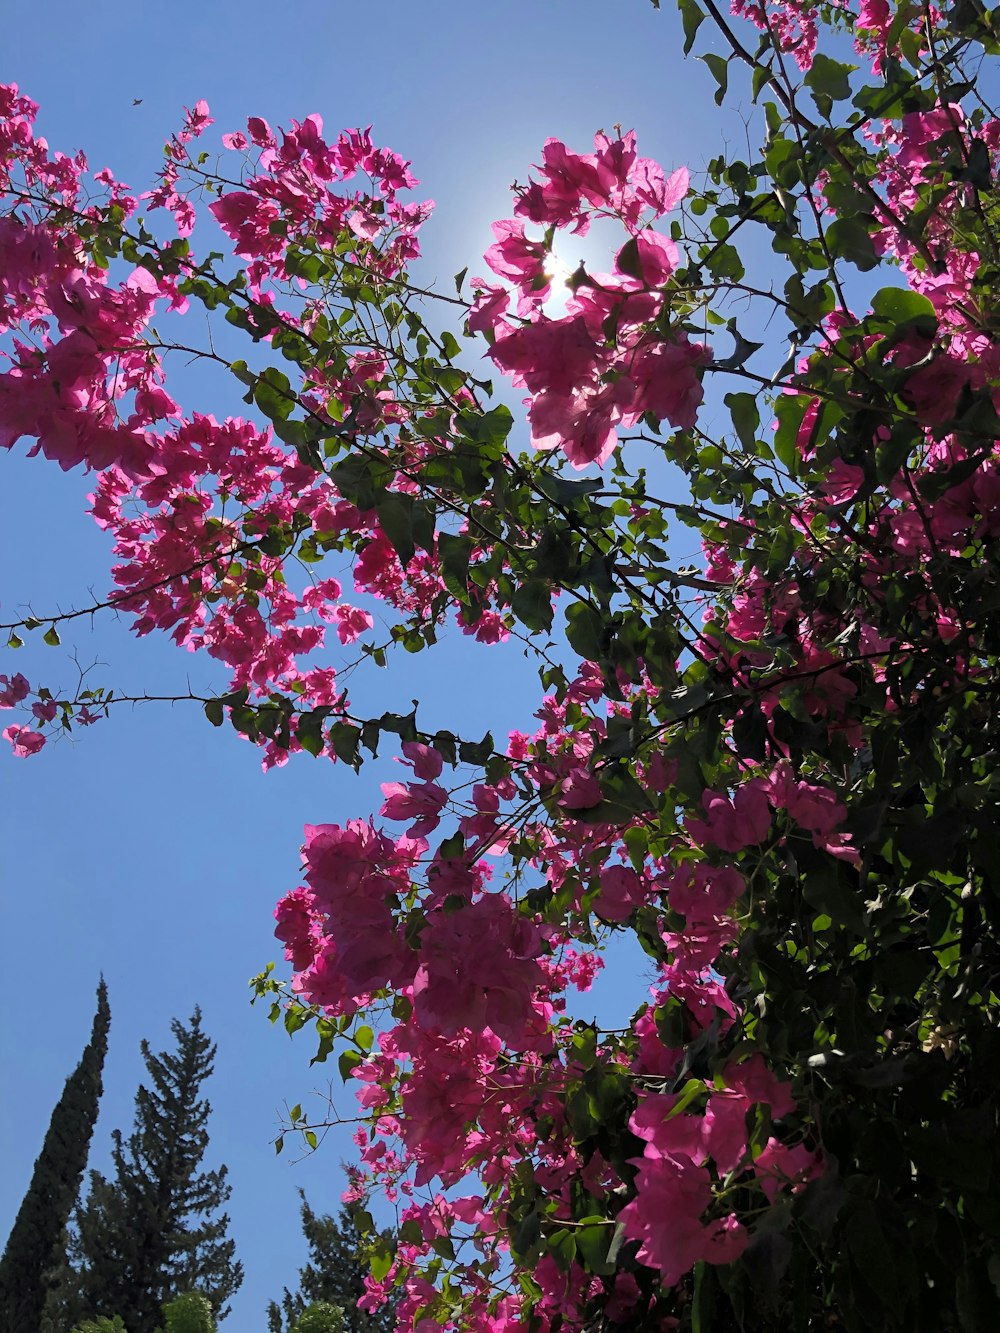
775,766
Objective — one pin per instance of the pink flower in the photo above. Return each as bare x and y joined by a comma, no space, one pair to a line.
488,312
656,257
519,259
666,1216
551,355
780,1166
580,791
23,741
296,916
667,383
759,1084
622,891
422,802
478,969
733,824
352,622
427,763
702,890
13,689
197,119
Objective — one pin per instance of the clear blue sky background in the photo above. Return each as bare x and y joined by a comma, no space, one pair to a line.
154,849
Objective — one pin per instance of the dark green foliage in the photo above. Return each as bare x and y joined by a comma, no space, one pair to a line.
34,1247
152,1232
334,1276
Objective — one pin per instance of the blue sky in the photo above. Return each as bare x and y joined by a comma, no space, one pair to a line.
153,848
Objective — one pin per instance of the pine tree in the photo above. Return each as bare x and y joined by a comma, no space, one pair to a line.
35,1245
151,1232
334,1275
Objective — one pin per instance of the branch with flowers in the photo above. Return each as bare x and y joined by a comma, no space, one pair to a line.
774,766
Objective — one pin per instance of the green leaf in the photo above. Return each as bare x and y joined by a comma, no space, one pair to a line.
692,17
979,171
345,739
828,81
395,516
745,416
627,260
380,1259
51,637
593,1240
724,263
871,1252
347,1062
565,492
243,373
622,799
790,409
486,428
703,1299
272,393
848,238
742,351
532,604
477,752
449,346
719,65
690,1092
898,305
586,631
214,712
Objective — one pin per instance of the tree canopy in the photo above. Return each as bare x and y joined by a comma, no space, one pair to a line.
760,588
152,1232
34,1247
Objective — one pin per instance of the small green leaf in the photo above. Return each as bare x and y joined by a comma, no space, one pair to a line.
746,417
692,17
214,712
364,1036
719,65
790,409
347,1062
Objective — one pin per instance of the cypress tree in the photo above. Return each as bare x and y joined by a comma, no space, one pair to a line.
153,1232
35,1245
334,1275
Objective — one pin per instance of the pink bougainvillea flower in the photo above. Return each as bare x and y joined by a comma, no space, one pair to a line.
24,742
